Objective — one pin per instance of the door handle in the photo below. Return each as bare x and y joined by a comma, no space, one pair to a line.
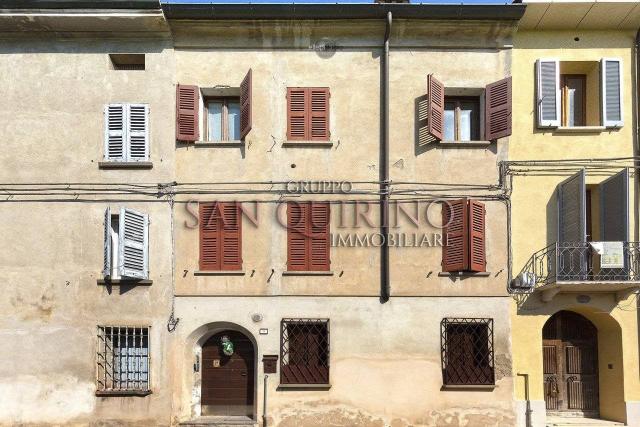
243,374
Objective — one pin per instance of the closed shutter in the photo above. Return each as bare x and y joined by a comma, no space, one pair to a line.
455,252
498,109
436,108
614,208
187,106
138,132
210,236
548,92
319,236
231,244
477,254
134,244
115,132
611,98
297,232
106,266
319,116
297,114
245,105
572,209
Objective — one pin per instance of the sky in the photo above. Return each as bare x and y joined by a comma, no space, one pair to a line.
337,1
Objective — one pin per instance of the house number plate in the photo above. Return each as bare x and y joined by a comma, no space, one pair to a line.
216,363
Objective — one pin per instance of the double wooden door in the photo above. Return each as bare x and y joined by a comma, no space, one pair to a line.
570,361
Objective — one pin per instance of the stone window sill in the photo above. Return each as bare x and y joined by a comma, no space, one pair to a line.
220,273
137,282
312,144
125,165
116,393
234,143
461,387
304,386
464,144
464,274
580,129
307,273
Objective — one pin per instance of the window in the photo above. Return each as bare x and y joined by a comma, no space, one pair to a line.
308,114
220,236
126,245
579,93
464,228
126,134
127,61
467,352
308,236
461,118
123,359
222,119
304,351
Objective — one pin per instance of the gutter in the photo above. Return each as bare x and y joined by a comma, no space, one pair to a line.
384,169
79,4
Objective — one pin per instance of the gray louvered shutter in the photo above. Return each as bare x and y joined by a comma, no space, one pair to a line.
611,99
572,223
106,266
115,117
134,244
614,208
548,92
138,133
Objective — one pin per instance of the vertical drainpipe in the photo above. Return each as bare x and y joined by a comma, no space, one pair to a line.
384,170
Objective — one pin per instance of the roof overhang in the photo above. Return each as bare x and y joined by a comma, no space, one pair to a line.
581,15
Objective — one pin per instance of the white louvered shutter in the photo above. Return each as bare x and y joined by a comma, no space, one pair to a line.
115,117
548,92
138,133
134,244
106,266
611,98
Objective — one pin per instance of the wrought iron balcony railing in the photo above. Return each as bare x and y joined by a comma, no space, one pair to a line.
576,262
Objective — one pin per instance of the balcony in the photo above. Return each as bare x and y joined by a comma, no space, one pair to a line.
581,267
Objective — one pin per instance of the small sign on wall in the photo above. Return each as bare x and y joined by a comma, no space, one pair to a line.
216,363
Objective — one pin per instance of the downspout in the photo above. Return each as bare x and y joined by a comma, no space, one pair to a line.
384,170
636,105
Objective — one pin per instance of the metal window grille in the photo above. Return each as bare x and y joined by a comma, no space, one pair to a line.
304,351
123,358
467,351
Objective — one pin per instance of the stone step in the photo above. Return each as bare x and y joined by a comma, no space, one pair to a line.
553,421
219,422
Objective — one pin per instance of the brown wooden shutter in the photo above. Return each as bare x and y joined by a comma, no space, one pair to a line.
220,236
435,107
210,236
319,117
319,236
297,232
245,105
477,254
187,106
498,109
231,243
297,105
455,252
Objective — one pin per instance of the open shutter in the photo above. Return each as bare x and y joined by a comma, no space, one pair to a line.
138,133
187,106
548,92
435,108
572,223
106,266
297,114
319,115
498,109
319,242
297,236
477,252
134,244
614,208
210,236
611,99
245,105
455,252
231,237
115,117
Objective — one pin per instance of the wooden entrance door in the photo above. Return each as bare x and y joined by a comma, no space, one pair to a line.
228,381
570,361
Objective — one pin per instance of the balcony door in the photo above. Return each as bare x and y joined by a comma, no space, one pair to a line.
570,362
573,253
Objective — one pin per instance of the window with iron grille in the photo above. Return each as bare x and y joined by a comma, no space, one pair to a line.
467,351
123,359
304,351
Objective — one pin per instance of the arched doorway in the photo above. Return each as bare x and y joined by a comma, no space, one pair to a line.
228,375
570,362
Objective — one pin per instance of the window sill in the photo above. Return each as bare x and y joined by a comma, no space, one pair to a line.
313,144
137,282
116,393
235,143
580,129
304,386
307,273
464,274
461,387
125,165
464,144
219,273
